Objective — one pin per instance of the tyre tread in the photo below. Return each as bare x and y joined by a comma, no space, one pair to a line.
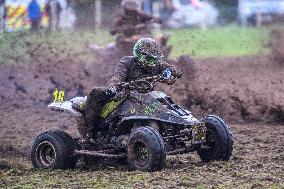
225,140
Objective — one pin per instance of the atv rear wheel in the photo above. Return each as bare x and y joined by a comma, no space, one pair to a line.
53,150
146,150
219,140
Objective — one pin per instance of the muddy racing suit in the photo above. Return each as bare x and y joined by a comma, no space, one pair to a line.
127,70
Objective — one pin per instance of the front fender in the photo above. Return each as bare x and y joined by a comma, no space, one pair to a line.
171,119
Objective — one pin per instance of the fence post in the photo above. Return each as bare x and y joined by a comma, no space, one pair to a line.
98,13
1,18
258,15
53,7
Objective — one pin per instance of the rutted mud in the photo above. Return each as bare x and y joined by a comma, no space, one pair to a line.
257,162
239,90
277,45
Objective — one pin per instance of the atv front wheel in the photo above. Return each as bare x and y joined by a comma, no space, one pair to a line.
219,140
53,150
146,150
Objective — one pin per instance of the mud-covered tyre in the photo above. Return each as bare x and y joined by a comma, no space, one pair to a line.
146,150
219,140
53,150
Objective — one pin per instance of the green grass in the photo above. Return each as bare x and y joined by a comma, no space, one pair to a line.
107,178
17,173
25,47
229,41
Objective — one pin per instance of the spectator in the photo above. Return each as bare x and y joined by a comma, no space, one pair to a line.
167,9
147,6
53,10
34,14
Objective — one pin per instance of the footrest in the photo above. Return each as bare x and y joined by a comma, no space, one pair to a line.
99,154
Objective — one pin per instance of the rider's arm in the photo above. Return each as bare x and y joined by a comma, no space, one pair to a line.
121,72
115,28
148,18
118,24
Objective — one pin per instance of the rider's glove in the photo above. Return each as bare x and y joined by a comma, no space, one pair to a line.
111,92
177,73
167,73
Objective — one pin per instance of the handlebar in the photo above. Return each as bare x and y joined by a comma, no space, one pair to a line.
145,84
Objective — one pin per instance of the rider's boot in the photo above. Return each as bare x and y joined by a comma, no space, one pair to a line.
91,111
90,129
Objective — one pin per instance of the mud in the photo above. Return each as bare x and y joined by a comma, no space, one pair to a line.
257,162
239,90
277,45
243,89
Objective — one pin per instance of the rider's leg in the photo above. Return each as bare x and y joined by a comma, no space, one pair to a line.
93,106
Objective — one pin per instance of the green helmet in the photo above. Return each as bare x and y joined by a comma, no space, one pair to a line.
147,52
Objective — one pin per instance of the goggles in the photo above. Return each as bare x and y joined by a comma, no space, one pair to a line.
149,60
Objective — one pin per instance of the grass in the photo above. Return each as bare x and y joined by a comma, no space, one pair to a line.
109,178
25,47
225,41
229,41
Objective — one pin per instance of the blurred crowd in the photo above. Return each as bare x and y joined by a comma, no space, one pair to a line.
33,14
167,5
54,14
182,13
55,11
63,13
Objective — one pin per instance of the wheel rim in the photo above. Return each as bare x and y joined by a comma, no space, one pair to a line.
142,153
45,154
210,143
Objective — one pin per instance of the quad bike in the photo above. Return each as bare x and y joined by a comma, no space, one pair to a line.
140,125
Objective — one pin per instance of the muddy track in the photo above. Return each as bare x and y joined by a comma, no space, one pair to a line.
257,162
241,90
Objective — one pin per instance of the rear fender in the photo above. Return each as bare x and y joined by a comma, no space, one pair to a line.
66,106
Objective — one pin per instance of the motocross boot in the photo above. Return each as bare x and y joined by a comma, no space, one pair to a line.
90,112
90,128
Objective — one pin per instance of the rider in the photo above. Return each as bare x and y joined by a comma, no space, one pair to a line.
146,61
130,25
131,21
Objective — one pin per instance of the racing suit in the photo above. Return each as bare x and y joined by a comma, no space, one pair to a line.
127,70
133,23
